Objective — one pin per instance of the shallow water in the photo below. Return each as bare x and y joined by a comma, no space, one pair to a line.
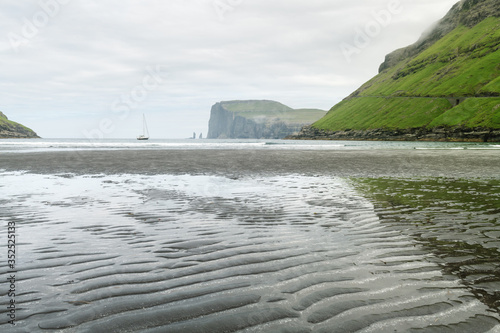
282,252
456,219
54,145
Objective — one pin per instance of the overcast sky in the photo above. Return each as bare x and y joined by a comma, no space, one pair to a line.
77,68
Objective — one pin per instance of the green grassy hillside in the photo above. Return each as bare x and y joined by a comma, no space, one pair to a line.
260,110
11,129
453,81
463,63
255,106
474,112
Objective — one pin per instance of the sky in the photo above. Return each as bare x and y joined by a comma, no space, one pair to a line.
92,68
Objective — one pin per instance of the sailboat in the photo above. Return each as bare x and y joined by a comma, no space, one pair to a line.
145,132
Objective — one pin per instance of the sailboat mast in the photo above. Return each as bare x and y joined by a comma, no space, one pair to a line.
145,132
144,126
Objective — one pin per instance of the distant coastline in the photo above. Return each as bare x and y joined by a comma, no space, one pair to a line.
11,130
258,119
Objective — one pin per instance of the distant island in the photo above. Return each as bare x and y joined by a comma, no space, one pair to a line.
12,130
258,119
445,87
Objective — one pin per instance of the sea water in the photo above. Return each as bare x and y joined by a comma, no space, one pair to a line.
31,145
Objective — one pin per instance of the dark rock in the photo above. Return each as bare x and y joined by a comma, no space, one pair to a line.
451,134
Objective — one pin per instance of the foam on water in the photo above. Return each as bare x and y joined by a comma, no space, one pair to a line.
40,145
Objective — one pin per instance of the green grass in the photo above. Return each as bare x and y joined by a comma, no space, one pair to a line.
293,116
10,125
255,106
460,64
464,63
492,88
473,112
4,122
270,110
379,112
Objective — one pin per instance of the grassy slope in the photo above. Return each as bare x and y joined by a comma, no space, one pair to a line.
4,121
474,112
273,110
255,106
12,125
463,63
381,112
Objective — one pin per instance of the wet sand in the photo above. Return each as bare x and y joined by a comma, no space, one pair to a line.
253,241
357,163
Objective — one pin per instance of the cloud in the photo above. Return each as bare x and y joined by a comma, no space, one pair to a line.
75,58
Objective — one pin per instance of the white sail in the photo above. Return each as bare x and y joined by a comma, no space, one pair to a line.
145,132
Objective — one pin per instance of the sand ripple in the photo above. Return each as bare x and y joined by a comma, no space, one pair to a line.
180,253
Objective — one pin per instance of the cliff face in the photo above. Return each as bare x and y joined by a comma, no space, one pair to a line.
449,79
12,130
466,12
257,120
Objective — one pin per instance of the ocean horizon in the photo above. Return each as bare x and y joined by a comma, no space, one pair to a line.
66,144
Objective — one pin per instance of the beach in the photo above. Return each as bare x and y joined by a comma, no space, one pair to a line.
251,240
247,162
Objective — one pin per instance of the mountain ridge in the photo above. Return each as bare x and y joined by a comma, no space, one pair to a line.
448,23
444,87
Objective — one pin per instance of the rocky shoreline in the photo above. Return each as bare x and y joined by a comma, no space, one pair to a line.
7,134
451,134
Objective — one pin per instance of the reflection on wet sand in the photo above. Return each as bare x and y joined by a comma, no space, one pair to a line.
458,220
286,253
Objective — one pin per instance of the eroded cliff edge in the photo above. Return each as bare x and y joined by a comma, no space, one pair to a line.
253,119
